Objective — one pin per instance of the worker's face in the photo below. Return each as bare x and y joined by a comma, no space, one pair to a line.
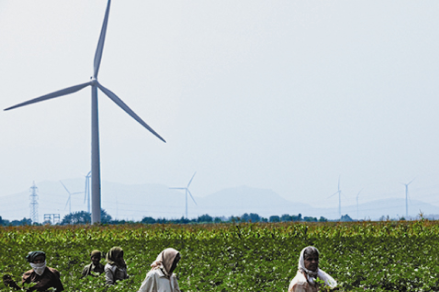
120,257
95,260
311,262
174,264
39,259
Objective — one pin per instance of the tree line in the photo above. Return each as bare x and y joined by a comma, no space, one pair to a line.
83,217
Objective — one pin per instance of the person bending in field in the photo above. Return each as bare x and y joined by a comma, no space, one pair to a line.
43,276
161,277
309,274
116,268
95,268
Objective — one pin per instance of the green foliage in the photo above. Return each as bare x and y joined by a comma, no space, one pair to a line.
366,256
83,217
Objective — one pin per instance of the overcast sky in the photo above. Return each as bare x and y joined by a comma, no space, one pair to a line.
281,95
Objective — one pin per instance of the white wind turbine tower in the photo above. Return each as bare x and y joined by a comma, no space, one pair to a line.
339,197
69,200
87,190
406,199
95,156
187,191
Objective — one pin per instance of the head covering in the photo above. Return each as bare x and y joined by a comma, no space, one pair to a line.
165,260
32,255
95,253
311,276
307,251
113,257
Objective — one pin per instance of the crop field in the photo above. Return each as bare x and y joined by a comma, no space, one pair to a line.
367,256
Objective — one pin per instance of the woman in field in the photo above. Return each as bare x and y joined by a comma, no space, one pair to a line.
309,273
160,277
95,268
116,268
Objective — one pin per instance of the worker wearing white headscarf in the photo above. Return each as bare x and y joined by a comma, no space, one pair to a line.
305,279
161,278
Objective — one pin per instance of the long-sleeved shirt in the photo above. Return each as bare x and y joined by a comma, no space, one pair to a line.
301,284
114,273
49,278
92,270
156,281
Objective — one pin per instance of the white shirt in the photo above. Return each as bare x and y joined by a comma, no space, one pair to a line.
301,284
156,281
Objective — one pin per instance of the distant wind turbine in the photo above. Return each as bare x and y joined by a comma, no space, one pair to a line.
87,190
187,191
339,197
406,198
69,200
95,157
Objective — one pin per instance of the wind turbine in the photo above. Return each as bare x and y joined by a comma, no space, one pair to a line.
94,83
69,200
406,199
87,190
187,191
339,197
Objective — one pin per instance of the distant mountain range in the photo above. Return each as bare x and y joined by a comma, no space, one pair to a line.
133,202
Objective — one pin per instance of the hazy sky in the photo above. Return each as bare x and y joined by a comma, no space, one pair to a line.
282,95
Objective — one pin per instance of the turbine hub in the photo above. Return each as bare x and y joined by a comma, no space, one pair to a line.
93,80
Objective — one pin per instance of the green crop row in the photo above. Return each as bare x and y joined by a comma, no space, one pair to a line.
385,256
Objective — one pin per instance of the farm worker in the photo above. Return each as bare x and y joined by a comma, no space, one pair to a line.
43,276
160,277
116,268
305,279
95,268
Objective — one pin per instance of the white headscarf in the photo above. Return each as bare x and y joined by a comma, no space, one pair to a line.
39,268
311,276
165,260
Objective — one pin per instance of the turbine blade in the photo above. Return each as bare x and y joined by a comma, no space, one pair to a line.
191,179
177,188
66,189
68,200
129,111
192,197
333,194
100,47
54,94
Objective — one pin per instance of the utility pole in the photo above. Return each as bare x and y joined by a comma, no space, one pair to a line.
34,203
